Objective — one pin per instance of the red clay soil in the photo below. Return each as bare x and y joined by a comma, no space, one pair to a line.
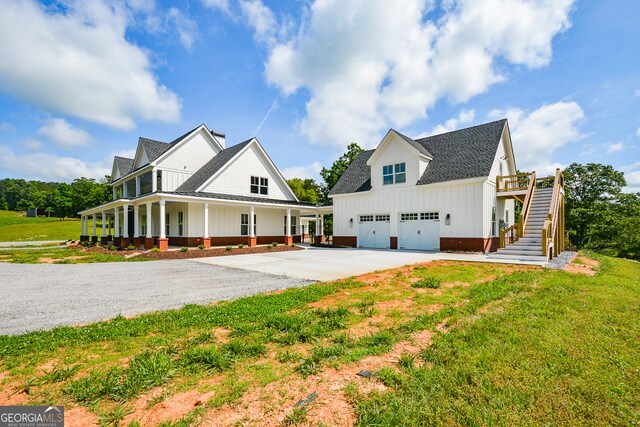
587,267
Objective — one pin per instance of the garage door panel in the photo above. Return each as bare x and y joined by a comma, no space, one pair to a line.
419,231
374,231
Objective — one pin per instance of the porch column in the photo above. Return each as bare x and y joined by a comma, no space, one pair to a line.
163,242
116,222
125,221
95,220
137,186
288,240
82,225
104,224
253,240
318,237
114,193
136,222
206,220
125,193
148,242
154,181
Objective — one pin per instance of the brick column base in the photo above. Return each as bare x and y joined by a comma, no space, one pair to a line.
288,240
318,239
137,242
125,242
163,244
117,241
252,241
149,243
206,241
84,238
104,240
94,239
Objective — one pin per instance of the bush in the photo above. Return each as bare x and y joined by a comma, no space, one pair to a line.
274,244
184,249
229,247
131,248
155,250
113,248
240,246
270,246
427,282
201,246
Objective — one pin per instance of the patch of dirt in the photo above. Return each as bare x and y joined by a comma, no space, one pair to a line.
454,284
587,266
45,260
221,334
385,275
197,253
172,408
10,396
79,416
48,366
390,305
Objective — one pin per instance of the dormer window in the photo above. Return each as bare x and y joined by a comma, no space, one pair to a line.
259,185
394,174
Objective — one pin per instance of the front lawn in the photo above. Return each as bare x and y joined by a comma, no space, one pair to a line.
16,227
62,255
469,344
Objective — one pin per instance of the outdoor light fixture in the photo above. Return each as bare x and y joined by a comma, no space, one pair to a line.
351,223
447,219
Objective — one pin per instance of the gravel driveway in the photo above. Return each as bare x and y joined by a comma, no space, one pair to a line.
43,296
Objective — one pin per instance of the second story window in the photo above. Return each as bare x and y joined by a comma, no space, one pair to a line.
394,174
259,185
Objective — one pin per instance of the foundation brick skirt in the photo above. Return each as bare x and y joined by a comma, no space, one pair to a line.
163,244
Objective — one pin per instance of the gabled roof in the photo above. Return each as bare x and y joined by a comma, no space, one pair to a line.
237,197
196,180
124,164
461,154
155,149
415,144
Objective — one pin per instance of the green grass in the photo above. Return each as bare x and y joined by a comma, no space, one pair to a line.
16,227
563,353
60,255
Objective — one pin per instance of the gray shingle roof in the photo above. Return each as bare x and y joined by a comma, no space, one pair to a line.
357,177
125,165
239,198
415,144
211,167
461,154
153,148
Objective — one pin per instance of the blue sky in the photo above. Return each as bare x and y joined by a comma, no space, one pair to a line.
80,81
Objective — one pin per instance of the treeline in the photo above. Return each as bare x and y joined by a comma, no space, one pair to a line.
55,198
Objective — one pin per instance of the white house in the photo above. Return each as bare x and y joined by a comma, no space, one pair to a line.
434,193
195,190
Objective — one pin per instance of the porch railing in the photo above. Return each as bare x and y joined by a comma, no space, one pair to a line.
515,182
516,231
553,233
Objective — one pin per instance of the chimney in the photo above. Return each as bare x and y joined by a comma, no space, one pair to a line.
219,136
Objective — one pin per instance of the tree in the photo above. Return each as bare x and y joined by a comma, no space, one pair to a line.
306,190
338,168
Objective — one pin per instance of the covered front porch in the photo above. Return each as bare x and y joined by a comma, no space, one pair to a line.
162,220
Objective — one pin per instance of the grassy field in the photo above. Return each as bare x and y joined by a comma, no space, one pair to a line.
16,227
446,343
61,255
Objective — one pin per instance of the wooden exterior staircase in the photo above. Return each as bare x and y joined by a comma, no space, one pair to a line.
539,234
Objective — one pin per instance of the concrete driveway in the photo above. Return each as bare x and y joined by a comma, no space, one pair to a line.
324,264
43,296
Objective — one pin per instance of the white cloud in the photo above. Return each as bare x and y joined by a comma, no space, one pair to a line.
221,5
186,27
304,172
638,133
6,128
33,144
615,148
464,117
79,63
64,135
632,176
369,65
538,134
261,19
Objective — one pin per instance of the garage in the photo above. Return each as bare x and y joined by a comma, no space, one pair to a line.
419,230
373,231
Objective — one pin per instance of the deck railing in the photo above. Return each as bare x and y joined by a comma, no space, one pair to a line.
553,233
516,231
517,182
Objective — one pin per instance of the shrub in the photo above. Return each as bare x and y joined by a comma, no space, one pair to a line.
229,247
427,282
201,246
131,248
293,245
155,250
274,244
240,246
113,248
184,249
269,246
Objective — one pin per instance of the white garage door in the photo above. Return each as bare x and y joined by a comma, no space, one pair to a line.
419,230
373,231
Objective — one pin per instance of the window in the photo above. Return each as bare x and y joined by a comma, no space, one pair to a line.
144,225
366,218
431,216
387,175
259,185
493,221
293,225
409,217
384,218
394,174
244,224
180,223
167,224
400,173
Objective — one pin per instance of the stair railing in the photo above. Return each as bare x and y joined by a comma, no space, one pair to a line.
516,231
550,228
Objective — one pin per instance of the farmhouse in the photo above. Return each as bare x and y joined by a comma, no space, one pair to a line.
453,191
196,191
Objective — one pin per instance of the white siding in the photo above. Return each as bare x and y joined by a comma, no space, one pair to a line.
236,177
395,151
191,154
507,167
464,202
172,179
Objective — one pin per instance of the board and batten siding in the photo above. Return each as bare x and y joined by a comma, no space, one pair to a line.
396,151
191,154
172,179
490,200
464,202
236,177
